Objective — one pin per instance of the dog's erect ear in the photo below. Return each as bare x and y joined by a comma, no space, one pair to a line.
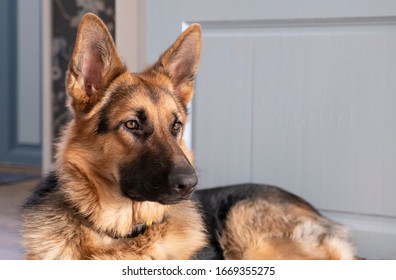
95,62
181,60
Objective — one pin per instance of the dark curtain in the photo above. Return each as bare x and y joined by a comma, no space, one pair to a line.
66,16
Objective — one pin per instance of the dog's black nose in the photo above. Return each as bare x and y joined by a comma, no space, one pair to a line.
183,180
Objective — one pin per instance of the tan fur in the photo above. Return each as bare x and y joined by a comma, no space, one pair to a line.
54,230
262,230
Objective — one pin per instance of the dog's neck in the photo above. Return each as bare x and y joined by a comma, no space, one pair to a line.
136,230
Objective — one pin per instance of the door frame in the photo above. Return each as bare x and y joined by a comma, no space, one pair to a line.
11,151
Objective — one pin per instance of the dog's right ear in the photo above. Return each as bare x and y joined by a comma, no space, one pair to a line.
95,62
180,62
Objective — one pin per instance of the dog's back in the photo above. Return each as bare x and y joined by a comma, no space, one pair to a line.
252,221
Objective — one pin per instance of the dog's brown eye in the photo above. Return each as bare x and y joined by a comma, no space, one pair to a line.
177,126
132,125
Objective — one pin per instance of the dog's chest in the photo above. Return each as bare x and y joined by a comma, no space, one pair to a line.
159,242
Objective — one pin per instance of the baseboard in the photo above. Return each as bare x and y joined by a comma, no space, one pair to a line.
374,236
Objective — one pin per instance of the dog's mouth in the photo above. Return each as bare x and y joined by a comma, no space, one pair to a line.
166,199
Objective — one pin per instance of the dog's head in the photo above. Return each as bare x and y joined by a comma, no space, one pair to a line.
128,127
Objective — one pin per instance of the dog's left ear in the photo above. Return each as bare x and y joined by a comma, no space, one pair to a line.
180,62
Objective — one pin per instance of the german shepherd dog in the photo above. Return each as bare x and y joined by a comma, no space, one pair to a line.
123,180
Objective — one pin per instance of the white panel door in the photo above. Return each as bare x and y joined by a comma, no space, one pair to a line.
300,94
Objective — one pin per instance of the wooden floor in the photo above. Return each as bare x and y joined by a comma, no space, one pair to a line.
12,197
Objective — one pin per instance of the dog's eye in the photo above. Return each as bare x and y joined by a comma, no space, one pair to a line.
131,125
177,126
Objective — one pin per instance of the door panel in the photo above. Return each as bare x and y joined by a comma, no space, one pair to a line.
322,115
229,92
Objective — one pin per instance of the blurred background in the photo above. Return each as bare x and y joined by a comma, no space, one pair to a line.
299,94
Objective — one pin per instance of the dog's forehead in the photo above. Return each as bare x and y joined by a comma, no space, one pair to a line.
151,92
136,92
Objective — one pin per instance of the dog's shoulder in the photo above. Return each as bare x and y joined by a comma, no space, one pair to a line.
48,226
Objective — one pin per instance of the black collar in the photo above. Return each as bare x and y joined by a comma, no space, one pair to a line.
137,229
135,232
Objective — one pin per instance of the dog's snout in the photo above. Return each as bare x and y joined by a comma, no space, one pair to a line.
183,180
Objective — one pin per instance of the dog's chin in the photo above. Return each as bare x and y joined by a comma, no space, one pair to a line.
170,201
162,199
